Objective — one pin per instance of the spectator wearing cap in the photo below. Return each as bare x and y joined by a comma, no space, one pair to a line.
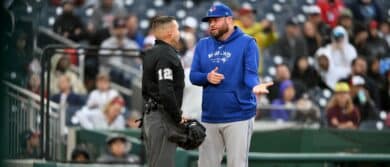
359,68
68,24
377,45
30,143
346,21
264,32
330,11
362,100
285,100
340,111
117,151
313,14
365,11
118,40
109,117
292,44
103,94
80,155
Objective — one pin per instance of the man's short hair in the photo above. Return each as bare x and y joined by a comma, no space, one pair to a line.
356,59
103,77
161,20
66,77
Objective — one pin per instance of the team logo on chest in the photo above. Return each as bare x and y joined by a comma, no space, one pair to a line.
220,55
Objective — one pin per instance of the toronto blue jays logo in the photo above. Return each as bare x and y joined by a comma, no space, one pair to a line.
219,56
212,9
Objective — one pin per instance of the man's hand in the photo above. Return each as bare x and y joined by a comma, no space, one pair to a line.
184,120
214,77
262,88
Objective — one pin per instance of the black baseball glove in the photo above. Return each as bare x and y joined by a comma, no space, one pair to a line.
196,133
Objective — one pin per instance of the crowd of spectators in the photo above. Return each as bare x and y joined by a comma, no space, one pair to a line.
339,49
336,42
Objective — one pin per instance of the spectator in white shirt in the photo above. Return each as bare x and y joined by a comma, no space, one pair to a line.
101,96
341,51
118,40
108,118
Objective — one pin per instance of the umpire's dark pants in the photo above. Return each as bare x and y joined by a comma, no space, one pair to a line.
159,151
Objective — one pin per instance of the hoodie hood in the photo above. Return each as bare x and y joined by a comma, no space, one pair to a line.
323,52
283,86
339,30
332,75
115,137
342,53
54,61
236,33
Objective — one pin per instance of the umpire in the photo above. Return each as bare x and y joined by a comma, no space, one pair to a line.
163,83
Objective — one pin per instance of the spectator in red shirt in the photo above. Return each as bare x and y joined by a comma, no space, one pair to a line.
330,11
340,112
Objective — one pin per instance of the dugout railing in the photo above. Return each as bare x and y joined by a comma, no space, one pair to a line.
24,115
47,54
283,147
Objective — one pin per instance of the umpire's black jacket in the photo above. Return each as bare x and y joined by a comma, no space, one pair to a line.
163,78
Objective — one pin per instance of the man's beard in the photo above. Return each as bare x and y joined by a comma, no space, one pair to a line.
220,32
176,44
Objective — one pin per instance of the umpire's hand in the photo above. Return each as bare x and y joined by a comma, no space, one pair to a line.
214,77
262,88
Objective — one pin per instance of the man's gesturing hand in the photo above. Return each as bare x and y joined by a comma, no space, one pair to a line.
262,88
214,77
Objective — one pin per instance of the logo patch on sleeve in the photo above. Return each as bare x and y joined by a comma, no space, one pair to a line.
165,74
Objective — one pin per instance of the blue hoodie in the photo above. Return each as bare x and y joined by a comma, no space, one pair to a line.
237,59
284,115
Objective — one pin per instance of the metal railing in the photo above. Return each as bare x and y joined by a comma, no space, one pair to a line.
24,114
284,159
51,126
56,37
